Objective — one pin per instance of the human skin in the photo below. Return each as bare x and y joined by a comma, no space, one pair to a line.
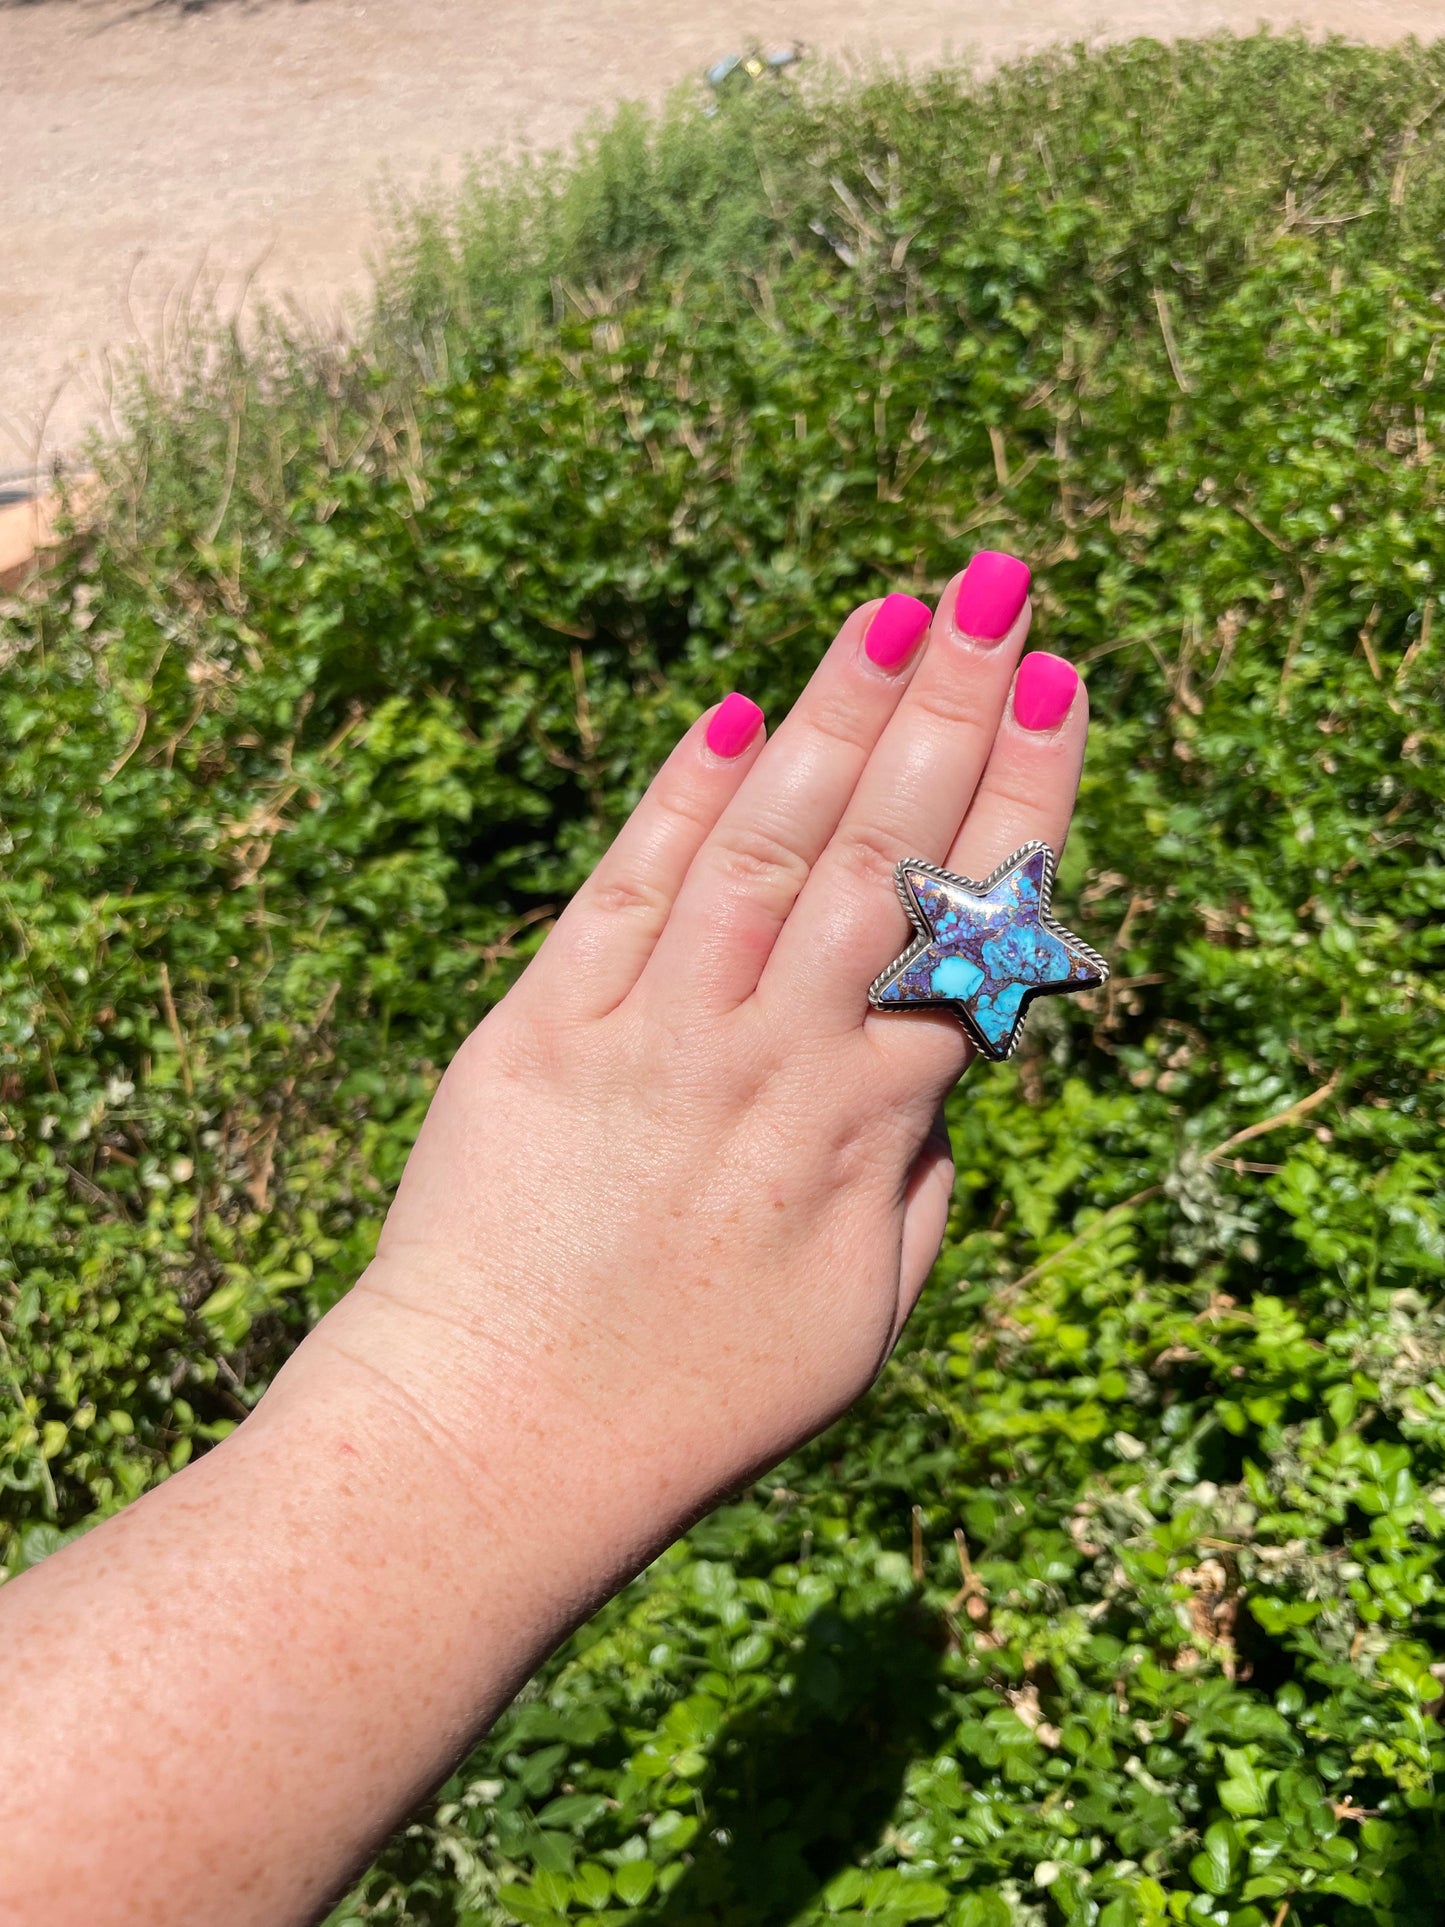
672,1203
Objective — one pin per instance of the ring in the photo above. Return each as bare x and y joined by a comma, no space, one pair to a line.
985,950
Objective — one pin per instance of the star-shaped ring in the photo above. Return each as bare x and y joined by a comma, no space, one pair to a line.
985,950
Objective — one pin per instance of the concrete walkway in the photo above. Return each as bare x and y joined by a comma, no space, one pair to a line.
147,145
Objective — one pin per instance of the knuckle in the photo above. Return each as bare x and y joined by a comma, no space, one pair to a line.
515,1047
756,860
1022,803
682,807
631,896
868,852
953,706
838,725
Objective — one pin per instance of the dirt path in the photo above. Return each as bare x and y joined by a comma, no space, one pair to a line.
144,145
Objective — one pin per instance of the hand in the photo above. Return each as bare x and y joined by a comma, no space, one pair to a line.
677,1194
669,1210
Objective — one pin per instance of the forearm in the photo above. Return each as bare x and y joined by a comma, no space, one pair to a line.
335,1602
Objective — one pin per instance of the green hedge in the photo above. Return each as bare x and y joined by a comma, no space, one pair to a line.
1119,1600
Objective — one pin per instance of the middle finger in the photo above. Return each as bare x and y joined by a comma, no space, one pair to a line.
911,797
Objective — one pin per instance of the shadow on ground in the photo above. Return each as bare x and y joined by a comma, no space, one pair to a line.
806,1785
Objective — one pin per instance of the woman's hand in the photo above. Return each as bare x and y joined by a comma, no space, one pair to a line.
670,1208
679,1191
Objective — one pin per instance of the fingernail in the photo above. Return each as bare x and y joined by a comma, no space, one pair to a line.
1044,690
736,720
992,592
896,629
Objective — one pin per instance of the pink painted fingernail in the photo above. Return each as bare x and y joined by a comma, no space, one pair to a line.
896,629
992,592
736,720
1044,690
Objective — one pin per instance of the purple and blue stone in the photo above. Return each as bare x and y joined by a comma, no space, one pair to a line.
985,950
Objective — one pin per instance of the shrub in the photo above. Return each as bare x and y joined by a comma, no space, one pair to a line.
1118,1601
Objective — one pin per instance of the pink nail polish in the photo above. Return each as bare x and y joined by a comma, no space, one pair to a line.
1044,690
990,596
896,629
735,722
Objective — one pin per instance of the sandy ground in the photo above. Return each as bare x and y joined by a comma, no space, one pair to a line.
241,142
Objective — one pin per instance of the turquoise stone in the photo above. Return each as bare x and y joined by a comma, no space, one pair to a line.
985,950
957,977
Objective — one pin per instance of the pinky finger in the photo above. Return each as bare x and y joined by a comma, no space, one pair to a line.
596,953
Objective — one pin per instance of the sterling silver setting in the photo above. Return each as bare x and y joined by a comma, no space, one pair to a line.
985,949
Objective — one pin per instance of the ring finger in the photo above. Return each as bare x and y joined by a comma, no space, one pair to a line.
1026,794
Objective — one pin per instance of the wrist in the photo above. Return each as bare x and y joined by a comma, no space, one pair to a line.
478,1447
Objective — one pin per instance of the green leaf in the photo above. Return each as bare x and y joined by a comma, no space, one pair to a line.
634,1882
751,1652
523,1905
573,1812
1245,1792
1218,1867
592,1885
